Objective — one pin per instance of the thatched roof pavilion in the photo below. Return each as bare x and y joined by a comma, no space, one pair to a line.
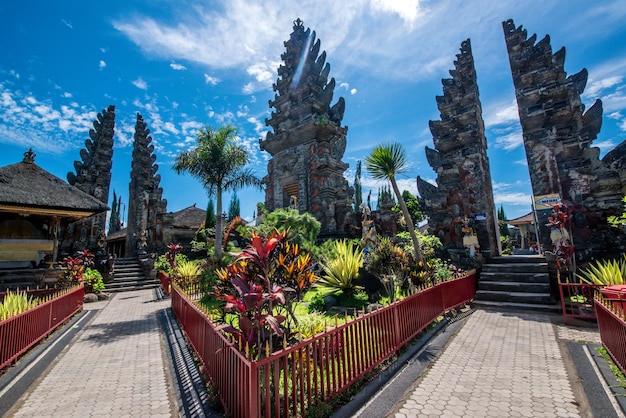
29,192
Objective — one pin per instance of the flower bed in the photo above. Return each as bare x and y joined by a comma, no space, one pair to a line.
292,380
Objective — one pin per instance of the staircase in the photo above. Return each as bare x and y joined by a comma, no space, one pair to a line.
516,282
128,275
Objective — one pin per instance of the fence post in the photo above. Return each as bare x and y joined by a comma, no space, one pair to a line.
253,401
396,327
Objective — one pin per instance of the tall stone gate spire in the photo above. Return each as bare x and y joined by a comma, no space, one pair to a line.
308,141
558,135
93,173
145,203
460,160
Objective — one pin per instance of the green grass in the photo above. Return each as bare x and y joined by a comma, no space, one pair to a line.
621,378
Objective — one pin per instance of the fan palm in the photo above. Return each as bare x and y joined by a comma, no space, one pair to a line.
385,163
220,164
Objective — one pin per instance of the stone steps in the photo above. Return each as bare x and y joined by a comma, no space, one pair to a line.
516,282
128,275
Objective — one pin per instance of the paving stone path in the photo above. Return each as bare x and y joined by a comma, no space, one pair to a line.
116,367
500,364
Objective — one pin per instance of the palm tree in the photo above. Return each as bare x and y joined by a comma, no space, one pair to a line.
385,163
219,163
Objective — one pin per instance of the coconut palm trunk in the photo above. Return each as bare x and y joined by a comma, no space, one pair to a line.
407,218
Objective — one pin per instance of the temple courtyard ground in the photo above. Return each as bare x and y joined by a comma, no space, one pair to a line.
126,357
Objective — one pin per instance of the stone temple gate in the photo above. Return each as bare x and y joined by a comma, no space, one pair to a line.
558,136
308,141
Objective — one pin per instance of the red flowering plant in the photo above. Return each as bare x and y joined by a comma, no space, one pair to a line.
254,288
74,268
170,254
558,223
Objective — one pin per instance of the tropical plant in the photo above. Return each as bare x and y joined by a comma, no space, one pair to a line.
413,206
187,272
220,164
387,258
605,272
340,272
429,244
300,227
93,280
619,221
312,324
74,268
385,163
317,303
15,303
254,289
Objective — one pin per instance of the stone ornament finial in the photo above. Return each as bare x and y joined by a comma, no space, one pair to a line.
298,22
29,156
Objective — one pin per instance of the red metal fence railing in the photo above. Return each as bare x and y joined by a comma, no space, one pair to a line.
612,329
577,300
290,381
19,333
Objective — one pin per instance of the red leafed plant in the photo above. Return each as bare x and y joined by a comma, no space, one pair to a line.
74,268
259,288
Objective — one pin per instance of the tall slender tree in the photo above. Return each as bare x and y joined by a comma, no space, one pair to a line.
209,221
358,190
385,163
220,164
234,208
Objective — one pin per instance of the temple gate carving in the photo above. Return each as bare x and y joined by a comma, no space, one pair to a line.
558,134
93,176
463,196
307,140
145,203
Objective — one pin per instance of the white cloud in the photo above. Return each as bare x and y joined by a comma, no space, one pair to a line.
510,141
615,115
501,113
512,198
140,84
177,67
66,23
211,80
408,10
67,95
353,92
102,64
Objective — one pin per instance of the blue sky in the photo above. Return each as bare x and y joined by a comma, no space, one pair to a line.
185,64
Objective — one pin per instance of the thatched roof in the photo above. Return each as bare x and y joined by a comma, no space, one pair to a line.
27,188
188,218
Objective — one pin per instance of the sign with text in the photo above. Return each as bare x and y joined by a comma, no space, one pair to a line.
546,201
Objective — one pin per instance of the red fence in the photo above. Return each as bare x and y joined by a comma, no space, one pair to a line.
290,381
577,300
19,333
612,329
166,282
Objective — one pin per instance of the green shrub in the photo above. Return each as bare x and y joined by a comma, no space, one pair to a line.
341,271
93,281
317,304
605,272
312,324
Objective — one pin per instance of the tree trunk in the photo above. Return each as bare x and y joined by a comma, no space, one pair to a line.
408,220
218,223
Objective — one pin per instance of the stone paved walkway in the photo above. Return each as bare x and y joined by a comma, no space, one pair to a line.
499,365
116,367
